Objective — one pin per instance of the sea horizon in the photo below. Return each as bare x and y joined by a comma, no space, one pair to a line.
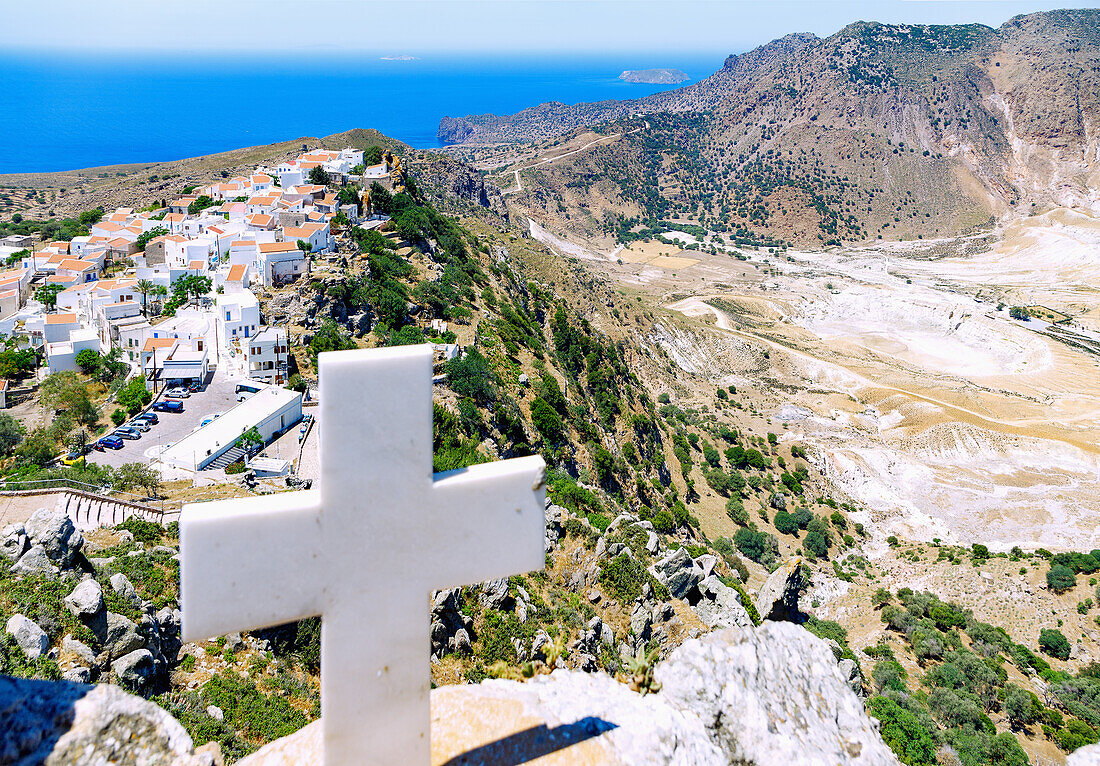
67,112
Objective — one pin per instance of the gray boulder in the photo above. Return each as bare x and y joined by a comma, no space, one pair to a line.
135,670
121,636
31,639
679,572
77,674
13,541
778,501
850,671
771,696
1089,755
56,723
720,606
124,589
35,562
86,600
77,650
778,599
55,531
494,594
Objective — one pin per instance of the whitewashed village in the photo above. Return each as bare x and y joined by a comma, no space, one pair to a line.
169,292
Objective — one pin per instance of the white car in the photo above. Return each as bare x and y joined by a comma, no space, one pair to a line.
178,393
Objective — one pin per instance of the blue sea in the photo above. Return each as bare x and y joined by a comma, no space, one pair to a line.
60,112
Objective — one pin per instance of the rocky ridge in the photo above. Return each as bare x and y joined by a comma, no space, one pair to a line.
911,129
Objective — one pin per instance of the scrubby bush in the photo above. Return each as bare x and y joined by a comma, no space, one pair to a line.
1061,578
1054,643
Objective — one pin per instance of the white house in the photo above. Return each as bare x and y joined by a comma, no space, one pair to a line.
279,261
267,356
271,411
61,356
238,315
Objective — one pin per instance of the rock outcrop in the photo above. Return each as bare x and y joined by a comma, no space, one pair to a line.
68,724
778,599
770,695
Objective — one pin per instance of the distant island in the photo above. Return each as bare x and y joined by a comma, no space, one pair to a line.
654,76
403,57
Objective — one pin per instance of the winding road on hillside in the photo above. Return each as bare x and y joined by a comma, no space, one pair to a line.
548,160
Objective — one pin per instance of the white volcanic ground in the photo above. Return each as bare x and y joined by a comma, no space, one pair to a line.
979,429
927,404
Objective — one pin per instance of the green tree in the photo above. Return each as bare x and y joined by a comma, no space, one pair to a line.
145,287
88,361
1018,706
134,395
329,337
469,375
146,237
11,433
903,733
65,391
38,448
546,420
372,155
47,295
1020,312
1061,578
318,175
250,439
1055,644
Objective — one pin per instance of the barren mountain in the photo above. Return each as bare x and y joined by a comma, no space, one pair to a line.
879,130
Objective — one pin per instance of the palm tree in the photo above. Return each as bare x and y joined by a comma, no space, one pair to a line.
145,287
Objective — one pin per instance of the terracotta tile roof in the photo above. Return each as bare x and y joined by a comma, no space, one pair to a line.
61,319
237,272
277,247
152,343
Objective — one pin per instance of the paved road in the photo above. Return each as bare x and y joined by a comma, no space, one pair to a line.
218,396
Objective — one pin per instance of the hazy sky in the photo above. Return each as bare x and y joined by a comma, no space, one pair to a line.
473,26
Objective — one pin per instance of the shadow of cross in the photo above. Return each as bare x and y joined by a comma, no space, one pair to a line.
364,551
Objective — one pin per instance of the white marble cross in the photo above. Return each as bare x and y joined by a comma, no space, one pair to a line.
364,551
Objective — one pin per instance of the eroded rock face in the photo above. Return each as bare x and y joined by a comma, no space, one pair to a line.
770,696
69,724
778,599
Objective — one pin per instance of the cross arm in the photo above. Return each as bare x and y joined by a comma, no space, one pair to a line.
249,563
492,515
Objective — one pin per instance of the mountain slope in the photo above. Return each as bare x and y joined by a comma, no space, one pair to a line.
879,130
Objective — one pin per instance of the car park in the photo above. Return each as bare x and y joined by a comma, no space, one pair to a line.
111,441
127,433
168,406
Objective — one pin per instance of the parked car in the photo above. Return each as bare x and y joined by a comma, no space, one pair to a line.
148,416
74,457
168,406
140,425
111,441
177,393
194,387
127,433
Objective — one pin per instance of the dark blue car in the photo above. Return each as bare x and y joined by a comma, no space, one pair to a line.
169,406
111,441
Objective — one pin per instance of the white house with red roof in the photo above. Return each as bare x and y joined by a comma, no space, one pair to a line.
279,261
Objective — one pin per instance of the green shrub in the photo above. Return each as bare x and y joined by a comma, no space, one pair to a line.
623,578
1061,578
1054,643
903,733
